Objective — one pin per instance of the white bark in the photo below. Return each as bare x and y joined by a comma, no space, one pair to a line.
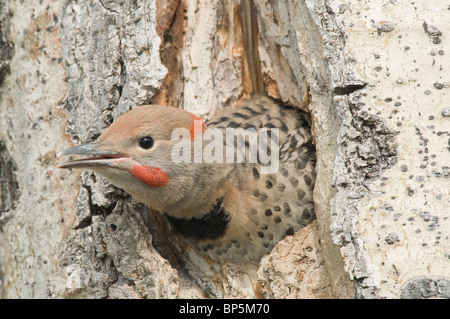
372,74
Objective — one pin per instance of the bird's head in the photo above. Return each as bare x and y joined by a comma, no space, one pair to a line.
135,154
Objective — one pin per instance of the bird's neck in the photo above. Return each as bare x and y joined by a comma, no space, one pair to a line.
211,225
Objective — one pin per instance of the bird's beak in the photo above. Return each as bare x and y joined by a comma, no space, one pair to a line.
99,157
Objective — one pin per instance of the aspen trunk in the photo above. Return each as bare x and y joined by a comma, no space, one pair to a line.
373,75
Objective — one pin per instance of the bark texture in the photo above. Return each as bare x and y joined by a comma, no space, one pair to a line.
372,74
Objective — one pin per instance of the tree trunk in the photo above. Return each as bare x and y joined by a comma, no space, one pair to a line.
373,76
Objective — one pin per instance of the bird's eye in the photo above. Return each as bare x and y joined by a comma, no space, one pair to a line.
146,142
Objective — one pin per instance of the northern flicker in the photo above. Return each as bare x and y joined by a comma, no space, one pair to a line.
227,211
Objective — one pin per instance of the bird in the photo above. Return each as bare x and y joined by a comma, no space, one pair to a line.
228,212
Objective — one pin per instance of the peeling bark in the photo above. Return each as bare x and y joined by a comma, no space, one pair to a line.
9,187
6,45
